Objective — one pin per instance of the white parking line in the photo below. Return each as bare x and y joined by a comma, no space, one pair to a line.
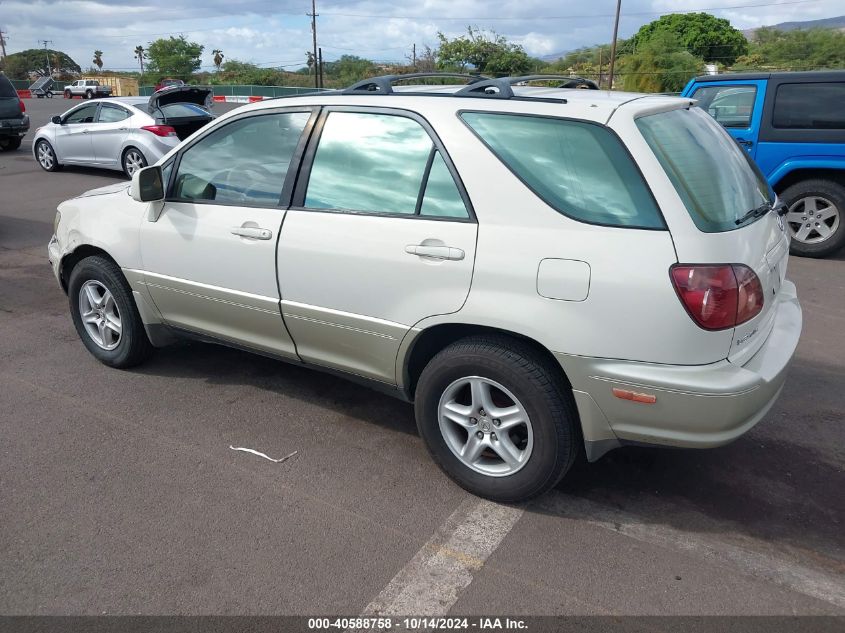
431,581
777,569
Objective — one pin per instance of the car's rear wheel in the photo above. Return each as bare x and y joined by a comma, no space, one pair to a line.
9,144
815,217
133,160
105,315
46,156
68,94
497,417
89,94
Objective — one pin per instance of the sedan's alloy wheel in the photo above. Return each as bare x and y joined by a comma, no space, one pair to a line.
485,426
45,155
812,219
133,161
100,315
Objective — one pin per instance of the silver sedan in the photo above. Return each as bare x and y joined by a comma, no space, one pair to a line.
124,133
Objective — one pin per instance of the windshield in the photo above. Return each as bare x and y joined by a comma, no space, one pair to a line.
713,176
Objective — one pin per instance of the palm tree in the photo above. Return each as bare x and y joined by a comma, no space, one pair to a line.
218,58
140,55
98,60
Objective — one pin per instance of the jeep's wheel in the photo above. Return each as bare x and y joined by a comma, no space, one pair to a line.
105,315
497,417
46,156
10,143
815,217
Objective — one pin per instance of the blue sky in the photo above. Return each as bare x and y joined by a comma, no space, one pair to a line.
277,32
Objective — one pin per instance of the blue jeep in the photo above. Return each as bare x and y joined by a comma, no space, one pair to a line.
793,125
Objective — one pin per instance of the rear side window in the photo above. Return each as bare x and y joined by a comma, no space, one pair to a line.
729,105
810,106
6,88
714,177
579,169
112,114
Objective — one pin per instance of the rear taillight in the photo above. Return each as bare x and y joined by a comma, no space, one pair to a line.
718,297
160,130
23,105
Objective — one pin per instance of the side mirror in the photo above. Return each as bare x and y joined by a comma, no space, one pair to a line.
147,185
56,119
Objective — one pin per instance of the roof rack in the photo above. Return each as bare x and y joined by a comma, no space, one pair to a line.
501,88
384,84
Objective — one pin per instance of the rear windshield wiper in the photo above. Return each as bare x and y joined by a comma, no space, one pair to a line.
763,209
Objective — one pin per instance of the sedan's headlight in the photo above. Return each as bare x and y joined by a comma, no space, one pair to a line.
56,222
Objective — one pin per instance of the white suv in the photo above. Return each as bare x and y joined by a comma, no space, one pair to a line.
540,270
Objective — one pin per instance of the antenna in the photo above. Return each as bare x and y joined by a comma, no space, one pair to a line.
47,55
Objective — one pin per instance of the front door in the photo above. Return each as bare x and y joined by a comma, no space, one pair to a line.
109,132
210,258
737,106
73,136
380,237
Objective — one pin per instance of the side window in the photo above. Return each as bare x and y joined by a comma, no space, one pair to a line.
810,106
85,114
377,163
244,162
732,106
579,169
112,114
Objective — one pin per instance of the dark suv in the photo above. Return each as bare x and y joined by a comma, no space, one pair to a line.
793,125
14,122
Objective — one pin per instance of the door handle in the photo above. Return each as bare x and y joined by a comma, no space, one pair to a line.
252,232
122,129
744,143
85,132
435,252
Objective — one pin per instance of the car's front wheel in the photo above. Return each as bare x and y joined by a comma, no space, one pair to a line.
815,217
133,160
68,94
497,417
46,156
105,315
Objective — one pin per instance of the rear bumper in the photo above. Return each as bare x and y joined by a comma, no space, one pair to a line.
14,127
698,406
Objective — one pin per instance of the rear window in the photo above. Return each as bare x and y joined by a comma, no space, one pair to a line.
181,110
580,169
810,106
6,88
711,173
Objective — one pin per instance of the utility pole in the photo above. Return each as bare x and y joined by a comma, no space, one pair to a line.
47,55
3,43
600,63
313,16
320,62
613,45
414,55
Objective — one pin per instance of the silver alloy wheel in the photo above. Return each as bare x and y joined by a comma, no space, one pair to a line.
45,155
99,314
812,219
485,426
132,161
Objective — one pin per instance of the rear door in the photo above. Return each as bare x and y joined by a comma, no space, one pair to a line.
73,136
737,106
109,132
381,235
210,258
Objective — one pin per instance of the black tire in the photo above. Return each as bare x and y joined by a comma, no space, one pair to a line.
55,166
828,190
89,94
10,144
49,94
540,388
133,346
68,94
125,156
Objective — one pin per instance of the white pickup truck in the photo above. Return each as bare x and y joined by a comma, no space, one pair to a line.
87,89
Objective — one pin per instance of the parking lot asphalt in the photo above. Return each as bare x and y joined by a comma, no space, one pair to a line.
119,492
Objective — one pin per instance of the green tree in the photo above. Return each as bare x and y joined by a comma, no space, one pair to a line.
34,60
174,56
349,69
218,58
661,64
702,34
141,55
482,51
98,60
801,49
